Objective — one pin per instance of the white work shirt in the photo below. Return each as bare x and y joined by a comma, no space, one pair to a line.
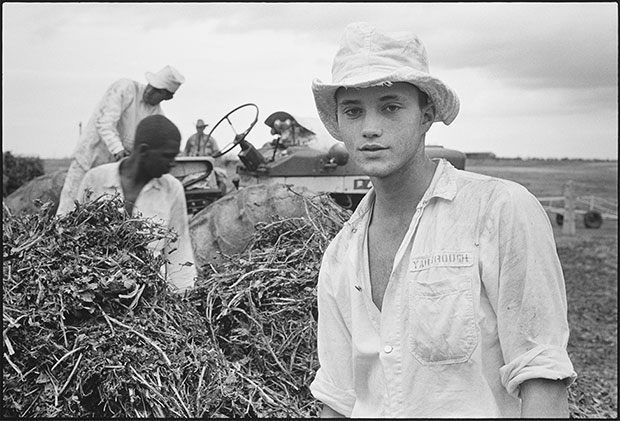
475,305
163,200
112,125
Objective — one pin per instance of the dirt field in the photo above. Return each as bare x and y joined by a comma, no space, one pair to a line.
53,165
590,264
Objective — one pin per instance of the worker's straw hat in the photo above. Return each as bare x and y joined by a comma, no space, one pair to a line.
201,123
368,57
167,78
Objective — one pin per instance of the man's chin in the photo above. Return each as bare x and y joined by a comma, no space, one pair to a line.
374,170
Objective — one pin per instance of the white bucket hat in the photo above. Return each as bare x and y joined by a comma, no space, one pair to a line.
368,57
167,78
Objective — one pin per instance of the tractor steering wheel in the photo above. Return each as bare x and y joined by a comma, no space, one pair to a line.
239,137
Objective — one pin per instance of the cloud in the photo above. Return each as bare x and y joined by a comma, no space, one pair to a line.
534,45
509,62
530,45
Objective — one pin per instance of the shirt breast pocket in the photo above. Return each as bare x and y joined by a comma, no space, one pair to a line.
442,321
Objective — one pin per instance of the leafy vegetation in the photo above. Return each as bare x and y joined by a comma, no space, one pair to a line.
18,170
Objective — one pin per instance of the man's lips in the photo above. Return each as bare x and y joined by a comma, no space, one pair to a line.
372,147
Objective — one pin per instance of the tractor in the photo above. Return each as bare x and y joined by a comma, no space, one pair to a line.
301,154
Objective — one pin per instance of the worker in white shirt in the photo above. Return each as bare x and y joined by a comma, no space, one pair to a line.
108,135
443,295
148,191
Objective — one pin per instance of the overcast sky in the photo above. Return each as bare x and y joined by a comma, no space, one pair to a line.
534,80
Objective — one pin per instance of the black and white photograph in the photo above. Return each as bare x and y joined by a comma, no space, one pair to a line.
309,210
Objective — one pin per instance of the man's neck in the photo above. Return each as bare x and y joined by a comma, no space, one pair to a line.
398,196
129,169
132,181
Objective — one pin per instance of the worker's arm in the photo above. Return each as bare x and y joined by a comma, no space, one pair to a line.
188,145
544,398
111,107
327,412
528,296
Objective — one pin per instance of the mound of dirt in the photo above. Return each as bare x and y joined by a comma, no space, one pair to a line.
45,188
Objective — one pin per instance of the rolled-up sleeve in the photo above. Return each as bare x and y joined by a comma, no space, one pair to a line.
531,301
333,384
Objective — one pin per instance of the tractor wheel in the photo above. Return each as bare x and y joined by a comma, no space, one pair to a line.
227,225
593,219
559,219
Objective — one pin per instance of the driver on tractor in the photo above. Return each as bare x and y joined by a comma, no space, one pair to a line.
288,131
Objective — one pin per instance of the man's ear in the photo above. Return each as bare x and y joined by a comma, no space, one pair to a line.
428,115
142,148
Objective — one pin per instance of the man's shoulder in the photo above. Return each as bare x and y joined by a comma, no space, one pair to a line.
172,183
497,193
102,175
103,169
127,82
126,85
481,183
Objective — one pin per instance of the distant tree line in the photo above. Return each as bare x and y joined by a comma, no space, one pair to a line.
18,170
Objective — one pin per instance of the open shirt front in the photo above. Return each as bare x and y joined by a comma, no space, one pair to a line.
475,305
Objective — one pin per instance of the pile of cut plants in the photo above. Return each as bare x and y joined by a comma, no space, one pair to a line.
90,329
261,305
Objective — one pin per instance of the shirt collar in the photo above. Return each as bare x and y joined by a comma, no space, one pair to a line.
115,179
443,186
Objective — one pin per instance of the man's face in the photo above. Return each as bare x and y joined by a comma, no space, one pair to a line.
200,129
158,160
154,96
383,127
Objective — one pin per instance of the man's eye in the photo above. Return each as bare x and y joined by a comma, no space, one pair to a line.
392,108
352,112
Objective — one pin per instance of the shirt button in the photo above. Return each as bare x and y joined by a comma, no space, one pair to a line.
387,349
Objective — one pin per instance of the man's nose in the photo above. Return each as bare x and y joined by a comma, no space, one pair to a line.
371,126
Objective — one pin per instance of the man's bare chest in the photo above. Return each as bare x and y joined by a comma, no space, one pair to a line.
383,244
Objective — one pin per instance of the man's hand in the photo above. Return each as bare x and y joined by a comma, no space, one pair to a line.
119,155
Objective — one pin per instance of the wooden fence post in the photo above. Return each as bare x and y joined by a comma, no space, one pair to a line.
569,209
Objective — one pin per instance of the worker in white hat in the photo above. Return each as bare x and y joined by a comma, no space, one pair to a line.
109,133
443,295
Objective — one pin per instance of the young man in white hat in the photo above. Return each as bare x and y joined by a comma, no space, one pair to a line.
108,135
443,295
148,191
200,143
